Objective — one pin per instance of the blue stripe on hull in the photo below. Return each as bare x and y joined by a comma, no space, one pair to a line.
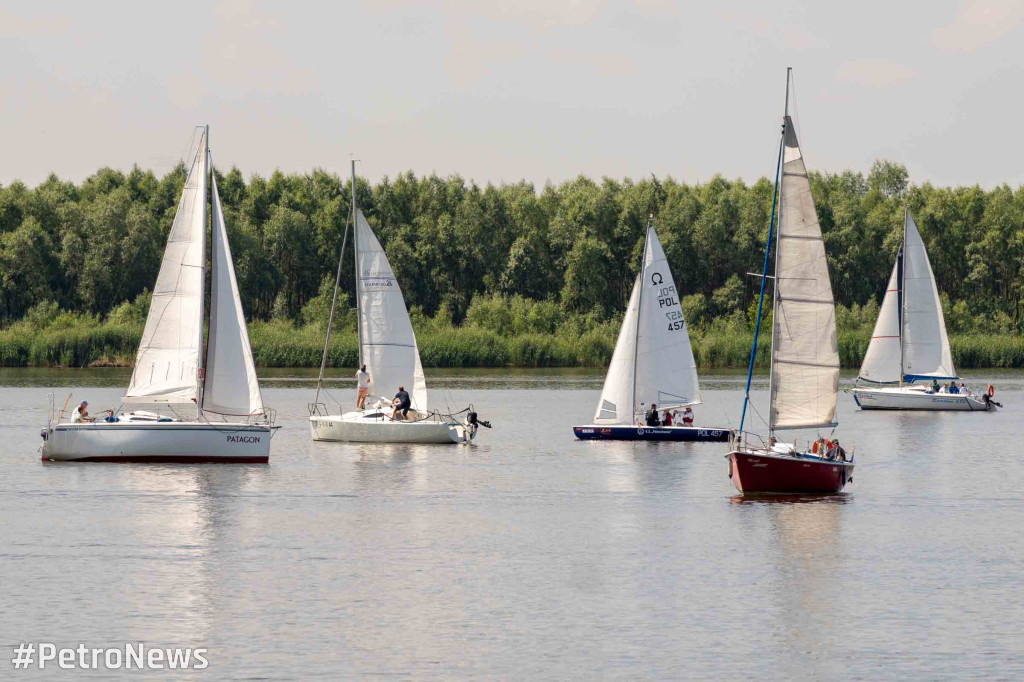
669,433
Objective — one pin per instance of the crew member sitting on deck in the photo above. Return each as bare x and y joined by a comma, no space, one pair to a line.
666,420
401,403
935,385
81,413
953,388
687,416
652,416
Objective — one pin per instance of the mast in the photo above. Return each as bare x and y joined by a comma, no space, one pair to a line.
639,306
901,272
775,289
200,379
334,303
355,247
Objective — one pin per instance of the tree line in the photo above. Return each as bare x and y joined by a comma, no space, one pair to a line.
575,245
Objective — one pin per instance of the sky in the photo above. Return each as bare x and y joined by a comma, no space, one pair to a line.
504,90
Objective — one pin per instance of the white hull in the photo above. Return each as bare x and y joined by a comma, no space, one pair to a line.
915,399
361,427
157,442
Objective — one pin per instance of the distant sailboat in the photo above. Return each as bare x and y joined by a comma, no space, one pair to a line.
909,342
652,363
805,355
173,411
387,346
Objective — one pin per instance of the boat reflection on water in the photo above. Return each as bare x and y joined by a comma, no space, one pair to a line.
804,583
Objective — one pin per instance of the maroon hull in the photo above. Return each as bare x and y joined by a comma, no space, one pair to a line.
760,472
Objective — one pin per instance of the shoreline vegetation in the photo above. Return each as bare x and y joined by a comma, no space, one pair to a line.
508,275
492,336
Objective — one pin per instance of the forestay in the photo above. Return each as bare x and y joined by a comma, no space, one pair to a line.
805,358
231,386
653,361
882,360
925,343
386,340
166,375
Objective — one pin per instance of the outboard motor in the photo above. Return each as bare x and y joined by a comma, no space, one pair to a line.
474,421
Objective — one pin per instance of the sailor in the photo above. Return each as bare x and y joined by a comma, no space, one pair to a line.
666,420
401,403
82,413
652,416
953,388
363,381
935,385
963,389
687,416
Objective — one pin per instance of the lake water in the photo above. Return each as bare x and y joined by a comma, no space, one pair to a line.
528,555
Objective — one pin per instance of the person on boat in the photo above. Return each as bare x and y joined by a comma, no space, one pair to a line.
401,403
964,389
935,385
82,413
652,416
363,381
666,419
953,389
687,416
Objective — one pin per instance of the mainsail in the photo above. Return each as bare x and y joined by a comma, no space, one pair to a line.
166,375
805,357
653,361
387,344
909,341
231,386
925,344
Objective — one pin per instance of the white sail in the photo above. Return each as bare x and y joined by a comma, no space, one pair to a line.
925,344
616,403
166,375
882,360
666,373
805,359
653,361
231,386
386,339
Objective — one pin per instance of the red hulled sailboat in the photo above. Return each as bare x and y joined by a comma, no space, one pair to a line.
804,378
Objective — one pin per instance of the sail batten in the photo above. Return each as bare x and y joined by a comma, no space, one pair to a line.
653,360
387,341
166,374
805,357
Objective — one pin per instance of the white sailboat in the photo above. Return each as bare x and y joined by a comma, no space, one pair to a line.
909,342
183,404
652,363
804,379
387,346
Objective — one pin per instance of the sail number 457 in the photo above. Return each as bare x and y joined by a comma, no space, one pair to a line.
675,320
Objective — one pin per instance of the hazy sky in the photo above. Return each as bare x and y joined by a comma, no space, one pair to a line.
499,90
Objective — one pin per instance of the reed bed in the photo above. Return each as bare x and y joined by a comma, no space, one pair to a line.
88,343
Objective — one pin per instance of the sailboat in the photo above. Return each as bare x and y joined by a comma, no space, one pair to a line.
804,377
652,363
387,346
184,403
909,342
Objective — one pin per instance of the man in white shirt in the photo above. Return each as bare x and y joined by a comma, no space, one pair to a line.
81,414
363,380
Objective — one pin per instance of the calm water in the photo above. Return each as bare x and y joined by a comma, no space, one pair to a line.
529,555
